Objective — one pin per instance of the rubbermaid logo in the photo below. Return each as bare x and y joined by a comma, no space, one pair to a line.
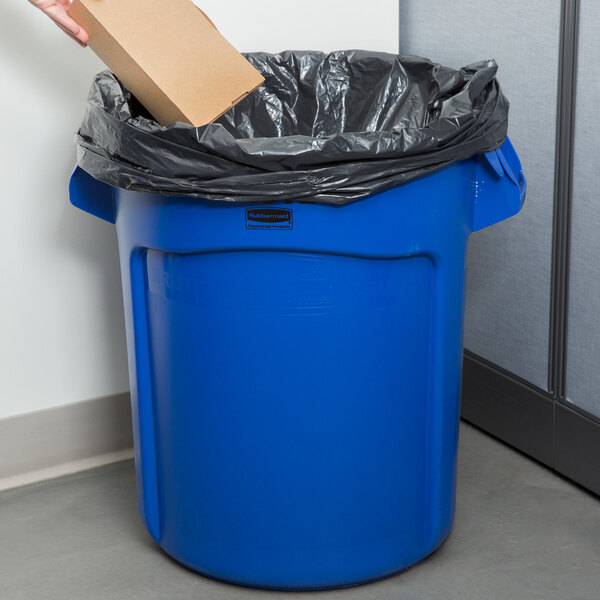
269,218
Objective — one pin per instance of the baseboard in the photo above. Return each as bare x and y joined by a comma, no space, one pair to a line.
57,441
578,447
509,409
532,421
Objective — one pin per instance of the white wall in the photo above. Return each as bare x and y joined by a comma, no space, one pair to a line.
61,321
275,25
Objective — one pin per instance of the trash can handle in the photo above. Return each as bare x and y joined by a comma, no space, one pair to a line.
504,161
499,186
91,195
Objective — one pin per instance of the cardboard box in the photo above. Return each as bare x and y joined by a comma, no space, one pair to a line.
170,55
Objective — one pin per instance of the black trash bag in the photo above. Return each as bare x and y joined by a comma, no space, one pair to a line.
324,128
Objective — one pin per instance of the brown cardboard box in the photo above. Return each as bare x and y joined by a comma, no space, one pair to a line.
170,55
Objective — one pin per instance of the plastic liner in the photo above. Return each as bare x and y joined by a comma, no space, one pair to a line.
324,128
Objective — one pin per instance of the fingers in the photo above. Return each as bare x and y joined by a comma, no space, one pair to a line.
60,16
70,35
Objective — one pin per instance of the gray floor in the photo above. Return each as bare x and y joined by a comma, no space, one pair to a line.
521,533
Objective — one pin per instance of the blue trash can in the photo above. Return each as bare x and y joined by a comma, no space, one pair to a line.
296,371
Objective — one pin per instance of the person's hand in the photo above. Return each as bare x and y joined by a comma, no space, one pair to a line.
58,11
